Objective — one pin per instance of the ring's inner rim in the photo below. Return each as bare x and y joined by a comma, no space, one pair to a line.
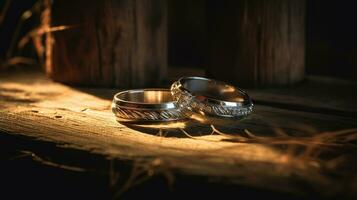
213,89
146,96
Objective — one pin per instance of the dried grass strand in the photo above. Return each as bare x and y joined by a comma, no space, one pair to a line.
4,11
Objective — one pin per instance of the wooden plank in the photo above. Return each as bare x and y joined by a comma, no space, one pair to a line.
80,118
316,94
256,43
110,43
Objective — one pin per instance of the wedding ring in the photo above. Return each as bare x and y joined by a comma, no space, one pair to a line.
212,98
146,105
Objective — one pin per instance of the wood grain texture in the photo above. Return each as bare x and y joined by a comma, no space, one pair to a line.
110,43
80,118
316,94
257,43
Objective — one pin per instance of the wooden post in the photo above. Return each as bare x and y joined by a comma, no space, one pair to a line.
256,43
119,43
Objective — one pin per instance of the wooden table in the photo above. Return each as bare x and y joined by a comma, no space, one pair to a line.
299,142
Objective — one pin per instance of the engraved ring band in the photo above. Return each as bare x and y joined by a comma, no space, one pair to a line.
209,97
146,105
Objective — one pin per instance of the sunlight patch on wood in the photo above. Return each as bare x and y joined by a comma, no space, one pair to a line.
78,119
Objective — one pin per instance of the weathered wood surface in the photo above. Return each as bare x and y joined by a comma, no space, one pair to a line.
256,43
110,43
316,94
287,158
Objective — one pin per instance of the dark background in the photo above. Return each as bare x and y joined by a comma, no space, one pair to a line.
331,35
